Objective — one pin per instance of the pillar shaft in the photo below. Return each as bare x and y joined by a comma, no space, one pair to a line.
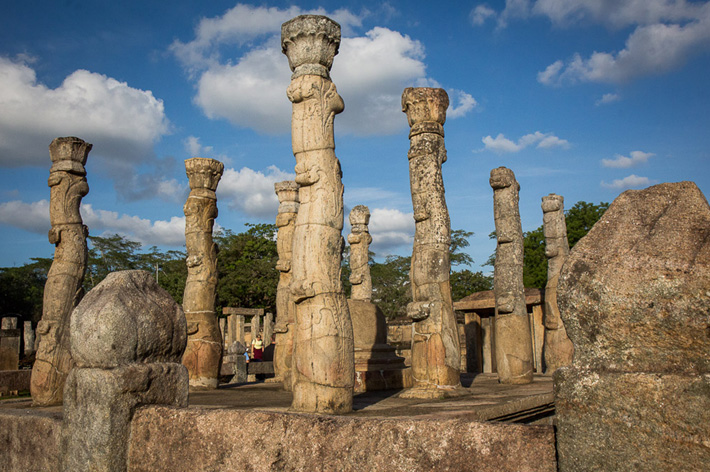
436,356
360,240
204,347
63,289
323,370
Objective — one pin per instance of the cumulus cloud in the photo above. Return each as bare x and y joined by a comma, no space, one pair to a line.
634,159
501,144
390,229
252,191
460,103
608,98
631,181
481,13
34,217
666,33
370,72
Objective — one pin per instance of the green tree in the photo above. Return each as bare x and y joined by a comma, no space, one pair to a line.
22,288
390,285
247,267
465,282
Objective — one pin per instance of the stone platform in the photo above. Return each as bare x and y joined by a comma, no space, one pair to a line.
248,427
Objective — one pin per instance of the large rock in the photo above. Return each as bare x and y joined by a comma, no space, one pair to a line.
634,296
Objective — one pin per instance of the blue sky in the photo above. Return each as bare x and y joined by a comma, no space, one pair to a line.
583,98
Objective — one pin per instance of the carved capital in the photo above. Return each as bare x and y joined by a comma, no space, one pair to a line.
287,192
426,109
502,177
203,173
69,154
310,42
552,202
360,215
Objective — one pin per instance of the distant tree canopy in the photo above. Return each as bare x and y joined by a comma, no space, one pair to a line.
579,220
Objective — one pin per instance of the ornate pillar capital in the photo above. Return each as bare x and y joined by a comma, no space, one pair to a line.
310,42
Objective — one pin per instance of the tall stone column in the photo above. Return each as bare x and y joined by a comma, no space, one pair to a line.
323,366
63,289
436,356
360,240
557,347
204,344
287,192
513,344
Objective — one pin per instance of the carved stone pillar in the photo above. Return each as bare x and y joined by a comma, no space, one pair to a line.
360,240
557,347
287,192
63,289
204,344
436,356
323,366
513,344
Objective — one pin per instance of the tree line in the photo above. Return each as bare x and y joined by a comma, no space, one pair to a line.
248,275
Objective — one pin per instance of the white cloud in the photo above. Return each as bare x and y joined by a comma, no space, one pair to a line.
122,122
34,217
631,181
194,148
460,103
502,144
390,229
623,162
481,13
252,191
608,98
370,73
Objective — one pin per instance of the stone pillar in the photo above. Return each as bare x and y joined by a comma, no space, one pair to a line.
633,296
436,356
223,332
9,344
513,343
360,240
204,346
287,192
323,366
255,327
127,338
63,289
29,337
558,349
239,324
268,328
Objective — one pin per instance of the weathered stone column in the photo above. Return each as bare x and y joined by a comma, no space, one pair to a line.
204,344
436,356
360,240
62,291
9,344
323,370
255,326
268,328
513,344
634,297
127,338
29,337
557,348
287,192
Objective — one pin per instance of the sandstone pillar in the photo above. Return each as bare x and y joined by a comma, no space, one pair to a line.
223,332
204,346
268,329
436,356
127,338
360,240
558,349
62,291
287,192
323,370
633,296
255,327
239,328
9,344
29,337
513,343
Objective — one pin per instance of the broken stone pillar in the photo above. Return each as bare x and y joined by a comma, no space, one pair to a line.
377,367
557,347
513,343
634,295
9,344
287,192
322,370
29,337
436,355
268,328
127,339
223,332
204,345
255,327
360,240
63,289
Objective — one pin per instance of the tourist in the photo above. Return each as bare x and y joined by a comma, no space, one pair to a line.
257,348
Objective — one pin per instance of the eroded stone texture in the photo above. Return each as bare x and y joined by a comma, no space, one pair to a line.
322,369
29,338
634,295
513,344
62,291
557,347
127,339
204,346
287,193
359,240
436,356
